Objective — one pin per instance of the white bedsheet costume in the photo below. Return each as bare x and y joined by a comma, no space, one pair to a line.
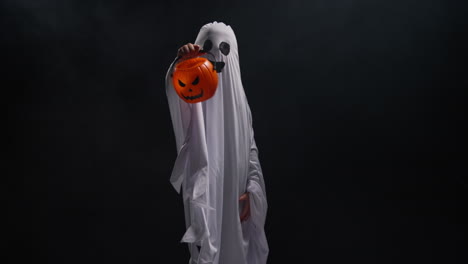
217,162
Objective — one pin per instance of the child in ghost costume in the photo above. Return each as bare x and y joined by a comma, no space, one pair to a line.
217,165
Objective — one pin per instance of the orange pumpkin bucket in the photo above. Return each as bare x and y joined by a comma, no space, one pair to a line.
195,80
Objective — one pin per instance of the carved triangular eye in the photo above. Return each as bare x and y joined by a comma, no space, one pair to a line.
196,81
181,83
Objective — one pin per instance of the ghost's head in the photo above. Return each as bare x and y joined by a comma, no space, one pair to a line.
218,39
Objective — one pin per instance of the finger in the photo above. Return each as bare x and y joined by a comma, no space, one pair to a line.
191,48
245,212
247,216
185,50
244,197
197,48
193,51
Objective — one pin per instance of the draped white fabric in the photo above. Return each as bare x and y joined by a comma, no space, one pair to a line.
217,162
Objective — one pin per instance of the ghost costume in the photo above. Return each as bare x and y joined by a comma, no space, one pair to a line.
217,161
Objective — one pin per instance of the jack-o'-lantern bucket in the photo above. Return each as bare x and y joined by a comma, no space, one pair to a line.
195,80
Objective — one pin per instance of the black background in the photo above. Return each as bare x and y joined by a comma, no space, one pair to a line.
358,112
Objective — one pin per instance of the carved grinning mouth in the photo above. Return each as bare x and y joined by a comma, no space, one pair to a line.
193,97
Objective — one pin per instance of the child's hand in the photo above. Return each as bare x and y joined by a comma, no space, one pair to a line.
188,51
245,214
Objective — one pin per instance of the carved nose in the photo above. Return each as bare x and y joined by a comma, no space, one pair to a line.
189,90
